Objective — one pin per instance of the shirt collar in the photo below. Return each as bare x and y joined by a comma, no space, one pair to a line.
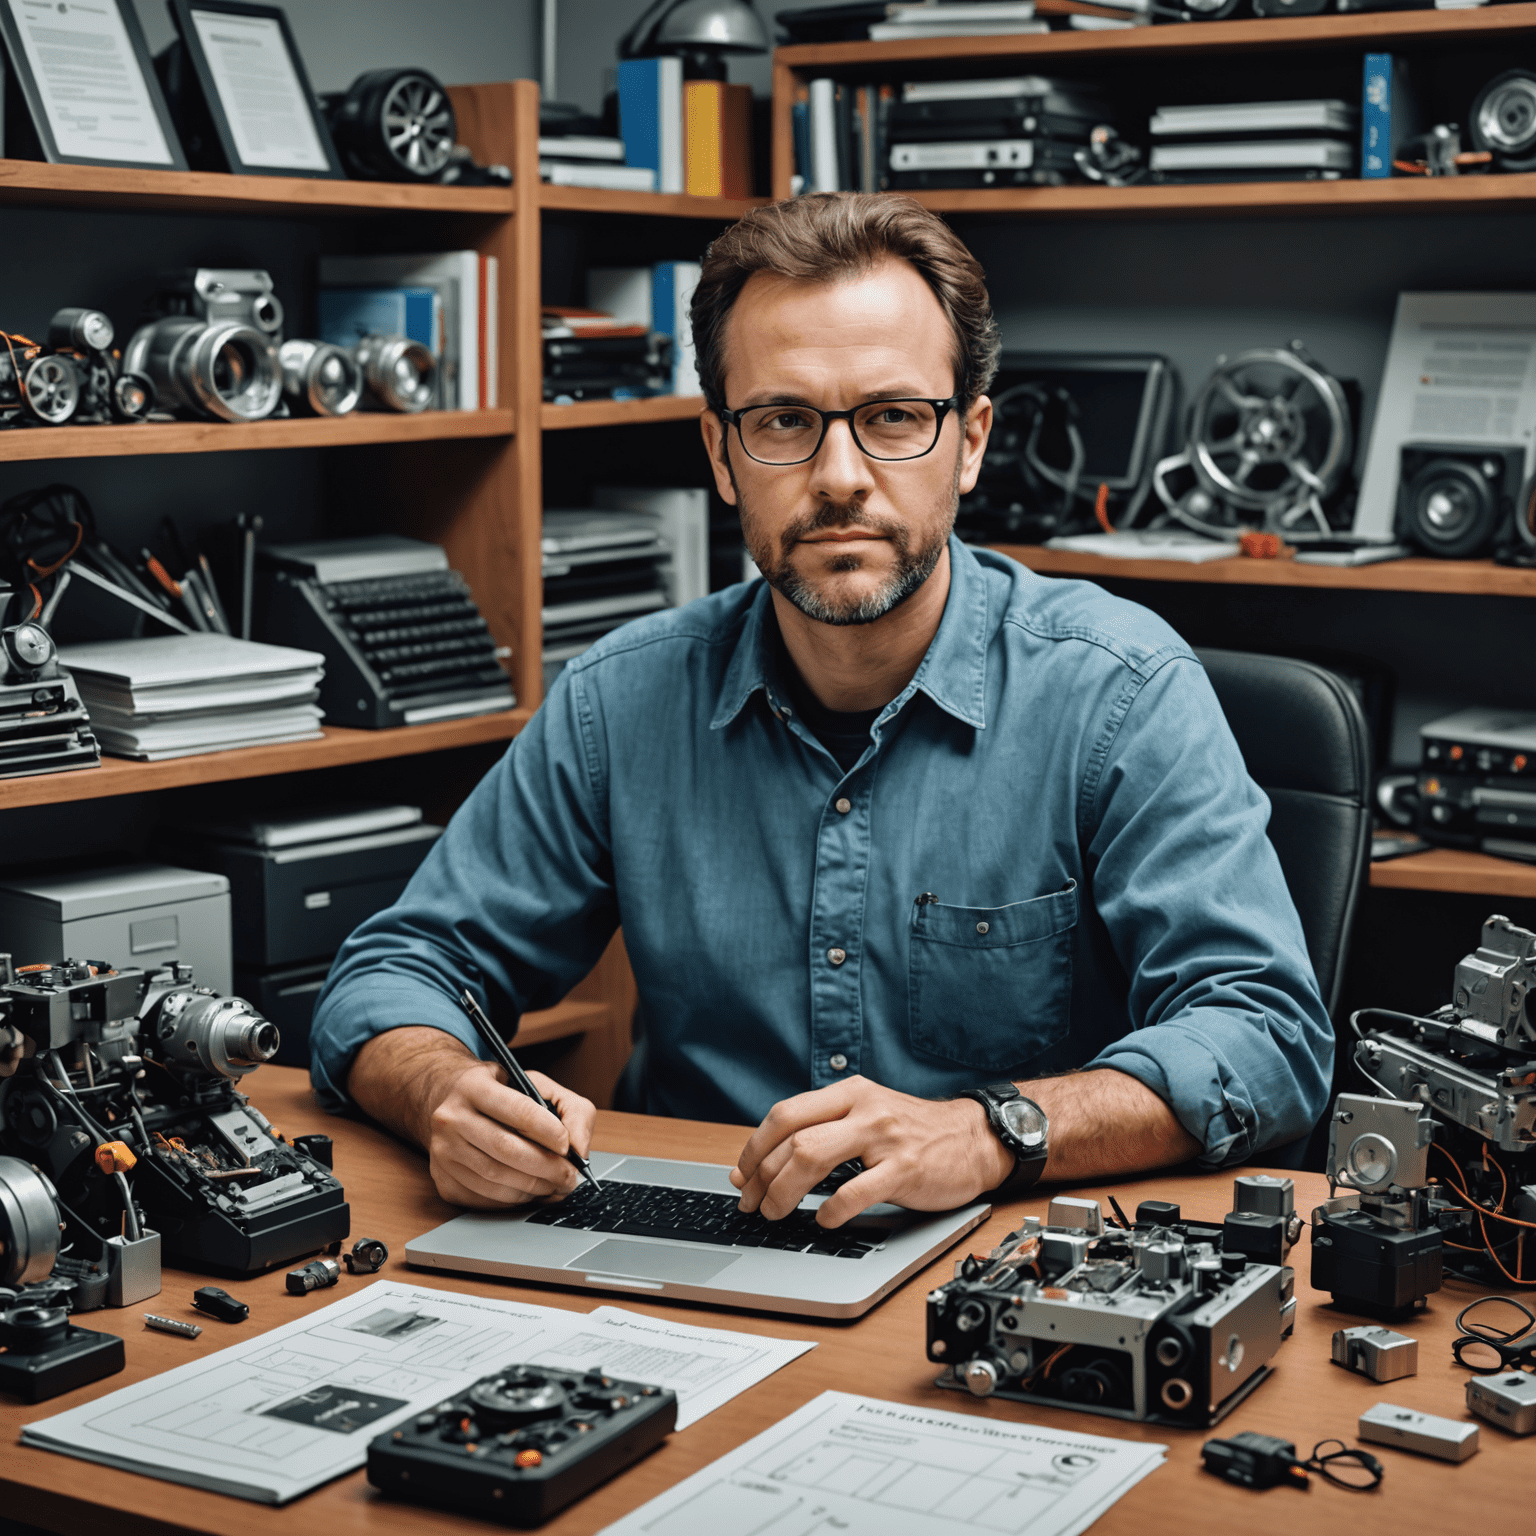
953,673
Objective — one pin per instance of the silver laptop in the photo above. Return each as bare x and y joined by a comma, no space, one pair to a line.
664,1228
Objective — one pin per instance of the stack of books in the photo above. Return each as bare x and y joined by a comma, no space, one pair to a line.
1095,15
601,569
1255,141
956,18
590,354
693,136
447,302
989,133
656,298
591,161
170,696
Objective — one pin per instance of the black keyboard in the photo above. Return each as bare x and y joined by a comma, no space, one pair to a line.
693,1216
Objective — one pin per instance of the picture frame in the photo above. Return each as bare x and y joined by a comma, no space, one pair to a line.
277,130
110,114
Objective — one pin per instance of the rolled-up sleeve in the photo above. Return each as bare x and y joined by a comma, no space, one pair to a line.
1227,1022
515,902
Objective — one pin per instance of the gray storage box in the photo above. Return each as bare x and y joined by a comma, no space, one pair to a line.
129,914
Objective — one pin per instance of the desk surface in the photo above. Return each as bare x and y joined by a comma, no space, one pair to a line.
880,1355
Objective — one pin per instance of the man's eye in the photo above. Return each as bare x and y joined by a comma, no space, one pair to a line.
891,416
787,421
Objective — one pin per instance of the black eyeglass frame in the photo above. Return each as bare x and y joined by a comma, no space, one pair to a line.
941,409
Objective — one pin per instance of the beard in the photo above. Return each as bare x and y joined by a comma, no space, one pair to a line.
914,564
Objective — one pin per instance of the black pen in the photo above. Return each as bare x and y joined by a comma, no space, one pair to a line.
518,1078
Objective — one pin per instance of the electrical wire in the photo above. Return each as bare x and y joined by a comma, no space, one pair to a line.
1319,1463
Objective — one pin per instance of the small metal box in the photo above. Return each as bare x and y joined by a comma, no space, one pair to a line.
1508,1401
1376,1352
1426,1433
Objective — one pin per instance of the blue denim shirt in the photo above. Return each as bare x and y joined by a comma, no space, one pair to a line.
1050,855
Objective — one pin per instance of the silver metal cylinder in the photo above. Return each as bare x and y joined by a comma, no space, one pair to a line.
29,1224
222,371
401,374
320,379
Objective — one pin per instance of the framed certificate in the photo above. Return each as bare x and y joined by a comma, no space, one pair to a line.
84,74
259,105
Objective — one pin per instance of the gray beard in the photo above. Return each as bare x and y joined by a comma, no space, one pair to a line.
913,566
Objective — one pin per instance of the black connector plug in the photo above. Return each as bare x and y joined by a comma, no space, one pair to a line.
1254,1461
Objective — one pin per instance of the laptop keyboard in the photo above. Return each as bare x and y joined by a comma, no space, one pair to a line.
694,1216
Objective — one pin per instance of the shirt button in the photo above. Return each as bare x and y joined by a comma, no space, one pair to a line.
843,806
837,956
982,927
838,1063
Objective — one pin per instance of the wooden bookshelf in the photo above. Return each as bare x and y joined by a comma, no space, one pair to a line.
336,748
621,413
1467,578
36,184
1455,871
362,427
666,205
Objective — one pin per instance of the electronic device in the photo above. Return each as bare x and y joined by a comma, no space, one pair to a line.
1154,1321
41,1353
1469,1070
1376,1352
670,1228
1426,1433
402,638
521,1444
393,125
1476,785
189,1166
150,912
1270,443
1065,424
217,1302
223,371
44,727
1502,120
1508,1401
107,391
1457,501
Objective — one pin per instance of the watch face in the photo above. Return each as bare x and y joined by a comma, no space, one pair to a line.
1025,1121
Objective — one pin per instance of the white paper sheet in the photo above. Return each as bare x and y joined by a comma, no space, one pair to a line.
279,1413
871,1468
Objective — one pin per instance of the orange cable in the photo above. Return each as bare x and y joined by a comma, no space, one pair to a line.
1101,508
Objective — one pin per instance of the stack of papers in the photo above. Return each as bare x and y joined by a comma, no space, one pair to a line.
282,1412
179,695
1147,544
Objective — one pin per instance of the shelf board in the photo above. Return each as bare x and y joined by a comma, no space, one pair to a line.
1451,869
119,776
1373,28
36,184
1471,578
1397,194
113,441
573,1016
669,205
621,413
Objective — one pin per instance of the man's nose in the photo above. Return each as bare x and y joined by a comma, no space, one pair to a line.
840,471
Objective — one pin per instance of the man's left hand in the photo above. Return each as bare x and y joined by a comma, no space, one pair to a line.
923,1154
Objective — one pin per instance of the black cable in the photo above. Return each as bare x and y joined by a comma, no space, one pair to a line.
1368,1464
1484,1330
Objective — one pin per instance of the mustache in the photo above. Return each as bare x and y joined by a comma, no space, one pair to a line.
832,514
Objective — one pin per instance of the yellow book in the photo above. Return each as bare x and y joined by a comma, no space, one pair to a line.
703,160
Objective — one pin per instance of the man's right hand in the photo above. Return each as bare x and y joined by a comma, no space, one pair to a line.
489,1146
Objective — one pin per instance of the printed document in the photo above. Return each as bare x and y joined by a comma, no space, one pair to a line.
282,1412
871,1468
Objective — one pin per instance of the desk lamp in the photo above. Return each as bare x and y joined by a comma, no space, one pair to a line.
702,31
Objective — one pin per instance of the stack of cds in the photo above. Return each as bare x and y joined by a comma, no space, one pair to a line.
170,696
989,133
601,569
1255,141
588,355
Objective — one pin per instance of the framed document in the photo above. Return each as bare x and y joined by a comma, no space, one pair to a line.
243,61
84,74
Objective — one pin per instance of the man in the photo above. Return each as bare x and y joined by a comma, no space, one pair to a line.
900,823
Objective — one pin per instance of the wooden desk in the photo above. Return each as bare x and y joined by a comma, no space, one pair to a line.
881,1355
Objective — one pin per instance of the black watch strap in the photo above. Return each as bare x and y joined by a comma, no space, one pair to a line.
1029,1162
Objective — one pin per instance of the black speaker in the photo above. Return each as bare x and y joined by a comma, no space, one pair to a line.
1503,120
1457,501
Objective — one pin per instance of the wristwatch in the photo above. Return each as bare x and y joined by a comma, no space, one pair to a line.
1021,1125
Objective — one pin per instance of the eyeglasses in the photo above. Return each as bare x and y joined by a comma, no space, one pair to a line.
1486,1347
889,430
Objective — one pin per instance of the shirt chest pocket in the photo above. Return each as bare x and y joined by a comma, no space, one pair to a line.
991,987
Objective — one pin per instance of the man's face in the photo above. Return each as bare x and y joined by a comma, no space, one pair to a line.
844,537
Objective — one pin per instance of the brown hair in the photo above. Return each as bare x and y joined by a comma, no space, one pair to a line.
822,236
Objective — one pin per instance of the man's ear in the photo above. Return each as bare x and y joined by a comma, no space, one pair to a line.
978,427
717,444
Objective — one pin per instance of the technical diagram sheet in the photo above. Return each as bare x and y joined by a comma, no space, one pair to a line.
863,1467
282,1412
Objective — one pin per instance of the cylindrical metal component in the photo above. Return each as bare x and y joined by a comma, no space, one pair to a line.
224,1036
1163,1261
87,329
314,1276
980,1377
29,1224
50,385
133,396
320,379
223,371
401,374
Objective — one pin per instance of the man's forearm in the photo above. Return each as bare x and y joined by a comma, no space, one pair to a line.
1107,1123
399,1077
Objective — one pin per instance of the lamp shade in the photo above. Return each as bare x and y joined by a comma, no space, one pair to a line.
712,26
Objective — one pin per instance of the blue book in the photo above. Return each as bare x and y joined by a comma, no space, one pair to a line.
800,124
1386,114
651,118
672,285
349,314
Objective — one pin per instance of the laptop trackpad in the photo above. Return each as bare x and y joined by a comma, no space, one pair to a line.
652,1261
